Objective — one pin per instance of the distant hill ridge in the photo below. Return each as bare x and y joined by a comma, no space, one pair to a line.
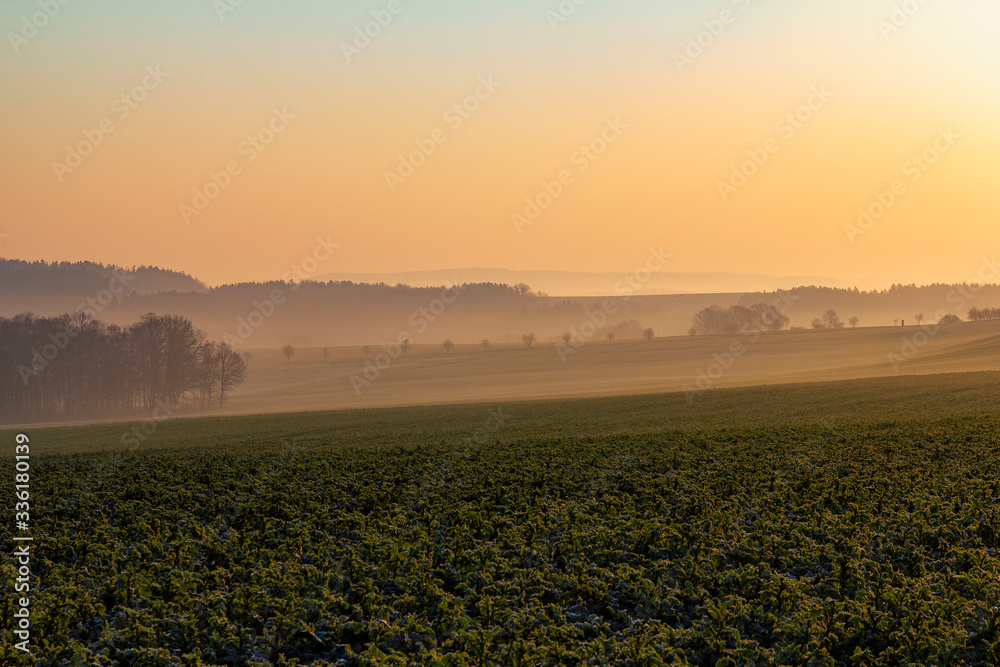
60,286
316,313
585,283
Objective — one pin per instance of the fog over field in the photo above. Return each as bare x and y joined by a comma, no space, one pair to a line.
352,345
427,374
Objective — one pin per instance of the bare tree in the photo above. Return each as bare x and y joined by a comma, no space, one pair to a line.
232,370
288,351
183,341
610,336
209,371
853,321
567,337
167,352
522,289
326,353
831,320
528,339
692,331
485,343
818,324
919,317
448,346
767,317
649,334
366,350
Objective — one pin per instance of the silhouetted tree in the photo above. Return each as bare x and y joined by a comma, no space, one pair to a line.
737,320
447,345
326,353
232,370
831,320
208,372
853,321
649,334
288,351
528,339
610,336
485,343
919,317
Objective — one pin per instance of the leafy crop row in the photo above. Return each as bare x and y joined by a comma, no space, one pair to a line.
871,544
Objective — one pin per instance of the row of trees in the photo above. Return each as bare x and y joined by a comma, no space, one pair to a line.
629,329
738,320
979,314
830,320
760,318
75,367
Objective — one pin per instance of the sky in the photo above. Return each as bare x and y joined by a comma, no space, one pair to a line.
225,138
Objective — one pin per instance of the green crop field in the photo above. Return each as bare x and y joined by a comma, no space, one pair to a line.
852,522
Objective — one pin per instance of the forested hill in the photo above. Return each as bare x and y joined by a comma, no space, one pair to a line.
348,313
59,287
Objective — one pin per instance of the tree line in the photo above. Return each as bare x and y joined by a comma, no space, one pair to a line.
980,314
739,320
75,367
